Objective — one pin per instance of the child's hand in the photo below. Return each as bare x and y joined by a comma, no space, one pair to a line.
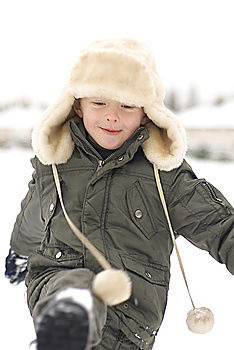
15,267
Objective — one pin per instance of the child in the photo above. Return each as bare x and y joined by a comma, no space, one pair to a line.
107,133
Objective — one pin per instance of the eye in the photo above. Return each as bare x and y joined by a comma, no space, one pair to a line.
98,103
127,107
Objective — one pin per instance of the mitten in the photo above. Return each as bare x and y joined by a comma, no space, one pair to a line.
15,267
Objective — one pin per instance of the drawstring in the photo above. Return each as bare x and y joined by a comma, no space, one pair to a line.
100,258
162,197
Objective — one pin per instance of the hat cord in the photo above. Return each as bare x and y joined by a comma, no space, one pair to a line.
163,201
95,252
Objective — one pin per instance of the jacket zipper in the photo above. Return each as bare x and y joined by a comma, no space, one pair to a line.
214,196
100,164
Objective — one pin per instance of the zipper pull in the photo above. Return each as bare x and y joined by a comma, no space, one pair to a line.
100,164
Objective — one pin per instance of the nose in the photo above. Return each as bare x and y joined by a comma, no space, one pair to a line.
112,116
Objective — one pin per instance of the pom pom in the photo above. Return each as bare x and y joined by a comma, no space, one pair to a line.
112,286
200,320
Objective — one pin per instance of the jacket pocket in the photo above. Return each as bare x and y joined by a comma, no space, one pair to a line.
139,210
153,273
150,283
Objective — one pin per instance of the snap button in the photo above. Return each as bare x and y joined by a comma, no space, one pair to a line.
137,336
120,158
51,206
148,274
58,255
138,214
140,137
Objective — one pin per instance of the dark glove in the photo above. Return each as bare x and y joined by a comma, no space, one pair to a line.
15,267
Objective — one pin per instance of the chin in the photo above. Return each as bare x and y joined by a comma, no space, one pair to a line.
108,146
112,147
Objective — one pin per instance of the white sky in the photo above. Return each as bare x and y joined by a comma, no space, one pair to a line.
192,41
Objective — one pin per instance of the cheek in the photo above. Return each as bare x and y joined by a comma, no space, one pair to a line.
134,123
89,122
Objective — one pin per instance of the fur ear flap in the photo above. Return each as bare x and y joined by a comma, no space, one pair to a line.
167,145
51,139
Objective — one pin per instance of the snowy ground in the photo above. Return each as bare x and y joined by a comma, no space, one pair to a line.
210,283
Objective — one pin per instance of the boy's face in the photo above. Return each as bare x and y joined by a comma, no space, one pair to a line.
108,122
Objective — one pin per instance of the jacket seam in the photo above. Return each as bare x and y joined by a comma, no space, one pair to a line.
205,225
25,207
186,207
104,213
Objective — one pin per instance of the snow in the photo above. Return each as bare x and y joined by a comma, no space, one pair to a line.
208,116
18,328
20,118
210,283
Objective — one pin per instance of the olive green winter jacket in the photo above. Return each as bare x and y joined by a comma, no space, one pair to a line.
116,204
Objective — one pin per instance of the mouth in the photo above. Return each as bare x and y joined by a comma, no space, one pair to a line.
110,131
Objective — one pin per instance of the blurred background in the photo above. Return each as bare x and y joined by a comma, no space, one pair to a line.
192,41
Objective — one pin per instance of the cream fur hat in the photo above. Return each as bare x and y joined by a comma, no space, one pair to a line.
122,70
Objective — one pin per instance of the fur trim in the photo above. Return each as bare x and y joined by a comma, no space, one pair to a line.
51,139
122,70
166,146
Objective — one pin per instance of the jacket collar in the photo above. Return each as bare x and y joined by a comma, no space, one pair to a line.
128,149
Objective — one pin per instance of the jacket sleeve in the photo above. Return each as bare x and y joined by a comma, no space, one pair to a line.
28,230
201,214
